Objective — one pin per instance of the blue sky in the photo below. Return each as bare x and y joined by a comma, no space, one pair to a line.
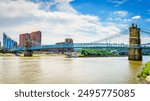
82,20
104,8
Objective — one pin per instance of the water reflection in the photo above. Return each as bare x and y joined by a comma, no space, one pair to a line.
135,67
29,70
8,70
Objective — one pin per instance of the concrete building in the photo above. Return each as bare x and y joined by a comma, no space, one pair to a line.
64,50
23,38
36,38
68,40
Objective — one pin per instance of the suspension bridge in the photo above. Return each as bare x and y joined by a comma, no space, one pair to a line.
133,33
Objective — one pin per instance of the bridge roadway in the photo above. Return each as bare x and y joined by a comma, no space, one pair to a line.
81,45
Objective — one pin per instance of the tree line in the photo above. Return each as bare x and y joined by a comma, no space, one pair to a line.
97,52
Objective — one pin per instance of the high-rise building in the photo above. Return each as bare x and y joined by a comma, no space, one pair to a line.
36,38
23,38
8,43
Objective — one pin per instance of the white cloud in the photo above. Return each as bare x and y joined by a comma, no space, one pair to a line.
55,25
117,19
147,20
136,17
127,20
121,13
119,16
110,19
58,5
117,2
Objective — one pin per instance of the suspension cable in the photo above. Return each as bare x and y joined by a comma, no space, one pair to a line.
113,36
145,31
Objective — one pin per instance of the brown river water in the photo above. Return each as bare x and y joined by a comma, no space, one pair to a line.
60,70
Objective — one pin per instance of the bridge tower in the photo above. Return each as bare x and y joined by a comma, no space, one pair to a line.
134,51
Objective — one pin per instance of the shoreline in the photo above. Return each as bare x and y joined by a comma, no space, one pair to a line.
102,56
38,55
78,56
34,55
144,74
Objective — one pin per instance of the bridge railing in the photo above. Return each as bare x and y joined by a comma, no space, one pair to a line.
83,45
55,46
96,45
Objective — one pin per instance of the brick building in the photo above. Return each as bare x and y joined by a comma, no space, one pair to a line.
23,38
36,38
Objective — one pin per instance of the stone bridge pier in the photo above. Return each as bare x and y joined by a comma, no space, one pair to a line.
134,50
27,53
28,44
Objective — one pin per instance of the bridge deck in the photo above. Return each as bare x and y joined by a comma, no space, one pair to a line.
82,45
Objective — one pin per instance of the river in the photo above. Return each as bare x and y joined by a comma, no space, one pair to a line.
60,70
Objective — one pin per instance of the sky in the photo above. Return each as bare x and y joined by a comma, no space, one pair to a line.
82,20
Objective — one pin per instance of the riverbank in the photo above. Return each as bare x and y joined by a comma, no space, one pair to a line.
38,55
144,75
82,56
34,55
112,55
78,55
7,54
